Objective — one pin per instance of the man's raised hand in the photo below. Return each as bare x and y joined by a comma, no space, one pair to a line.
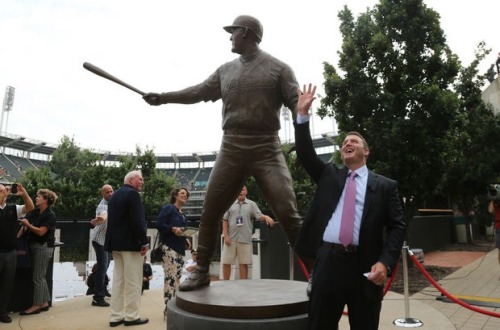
306,98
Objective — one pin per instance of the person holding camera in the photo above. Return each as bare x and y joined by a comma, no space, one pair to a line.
494,208
9,227
40,226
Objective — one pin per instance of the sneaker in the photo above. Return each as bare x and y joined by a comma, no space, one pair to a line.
197,279
100,303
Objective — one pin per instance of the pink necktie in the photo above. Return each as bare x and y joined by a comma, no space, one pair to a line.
347,222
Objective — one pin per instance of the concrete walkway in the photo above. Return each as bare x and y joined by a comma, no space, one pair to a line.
479,278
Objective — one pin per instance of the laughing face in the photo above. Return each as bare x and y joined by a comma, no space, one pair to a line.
182,196
354,151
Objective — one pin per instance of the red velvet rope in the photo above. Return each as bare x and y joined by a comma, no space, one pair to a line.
433,282
449,296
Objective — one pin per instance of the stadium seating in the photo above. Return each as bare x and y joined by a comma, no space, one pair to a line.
20,156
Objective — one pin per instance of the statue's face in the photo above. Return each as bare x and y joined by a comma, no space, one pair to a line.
237,39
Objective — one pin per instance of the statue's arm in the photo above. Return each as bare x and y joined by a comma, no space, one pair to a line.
188,95
209,90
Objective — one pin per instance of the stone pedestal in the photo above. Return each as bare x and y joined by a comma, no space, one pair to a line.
241,304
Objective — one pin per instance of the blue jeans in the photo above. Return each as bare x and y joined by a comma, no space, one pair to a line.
103,260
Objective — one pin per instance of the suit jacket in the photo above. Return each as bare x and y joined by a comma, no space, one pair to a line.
126,221
382,223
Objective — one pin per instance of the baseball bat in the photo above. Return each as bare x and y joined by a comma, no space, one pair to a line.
100,72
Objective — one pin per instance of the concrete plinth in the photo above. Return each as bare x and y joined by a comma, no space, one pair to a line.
241,304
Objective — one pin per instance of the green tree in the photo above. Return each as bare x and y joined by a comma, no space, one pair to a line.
474,138
77,175
72,175
35,179
157,185
394,89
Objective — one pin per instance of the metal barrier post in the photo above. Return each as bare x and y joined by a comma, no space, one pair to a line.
407,321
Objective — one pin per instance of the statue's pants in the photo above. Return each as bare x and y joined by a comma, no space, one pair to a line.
239,158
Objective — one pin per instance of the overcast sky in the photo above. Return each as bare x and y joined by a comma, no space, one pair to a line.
160,45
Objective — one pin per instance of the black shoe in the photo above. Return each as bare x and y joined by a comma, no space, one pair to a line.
195,280
36,311
136,322
100,303
44,309
115,323
5,318
108,294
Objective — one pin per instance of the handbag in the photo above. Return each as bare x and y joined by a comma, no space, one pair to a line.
23,252
156,254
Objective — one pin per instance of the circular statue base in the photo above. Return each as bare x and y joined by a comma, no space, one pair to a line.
241,304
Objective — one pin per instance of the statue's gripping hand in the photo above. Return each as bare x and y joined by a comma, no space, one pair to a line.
153,98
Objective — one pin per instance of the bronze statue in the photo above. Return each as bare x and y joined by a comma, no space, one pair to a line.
253,89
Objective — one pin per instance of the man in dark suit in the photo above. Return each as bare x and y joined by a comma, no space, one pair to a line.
126,239
350,273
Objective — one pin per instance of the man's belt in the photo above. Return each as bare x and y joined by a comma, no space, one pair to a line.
339,247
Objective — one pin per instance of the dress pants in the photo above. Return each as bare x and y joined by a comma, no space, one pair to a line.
40,256
8,262
173,263
338,281
239,158
127,286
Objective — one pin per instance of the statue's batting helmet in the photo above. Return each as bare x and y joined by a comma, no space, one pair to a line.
249,22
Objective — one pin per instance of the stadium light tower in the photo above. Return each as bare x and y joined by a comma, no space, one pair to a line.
8,102
285,113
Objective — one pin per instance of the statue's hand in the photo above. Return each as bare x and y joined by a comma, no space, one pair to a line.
152,98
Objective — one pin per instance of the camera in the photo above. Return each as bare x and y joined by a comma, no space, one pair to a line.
494,192
13,188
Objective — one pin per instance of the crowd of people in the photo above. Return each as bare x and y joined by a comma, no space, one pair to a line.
119,229
119,233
